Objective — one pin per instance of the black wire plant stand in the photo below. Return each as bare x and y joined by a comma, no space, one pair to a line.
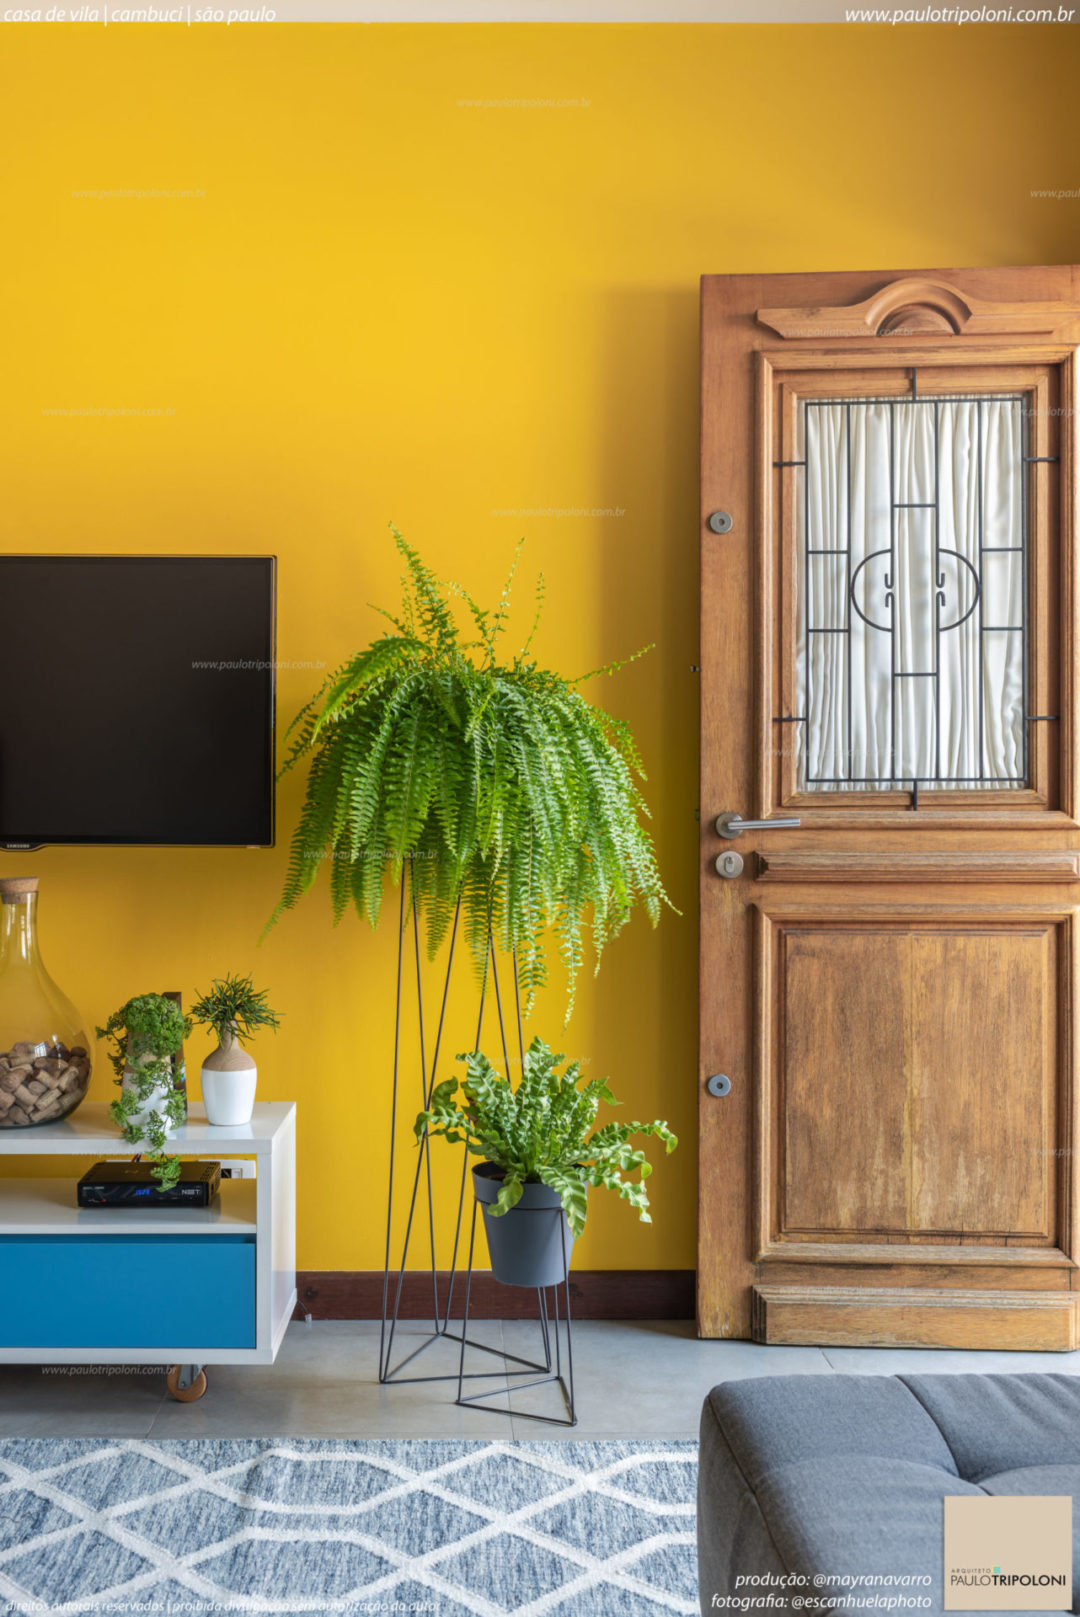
552,1329
443,1326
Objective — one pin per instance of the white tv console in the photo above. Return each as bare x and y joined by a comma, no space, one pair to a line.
184,1287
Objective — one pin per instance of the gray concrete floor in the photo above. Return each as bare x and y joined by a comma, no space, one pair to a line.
632,1380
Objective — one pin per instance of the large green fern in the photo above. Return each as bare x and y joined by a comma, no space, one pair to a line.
498,784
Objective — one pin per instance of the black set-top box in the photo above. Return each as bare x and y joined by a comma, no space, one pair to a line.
131,1184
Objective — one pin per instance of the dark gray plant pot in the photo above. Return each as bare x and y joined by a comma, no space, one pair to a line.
526,1244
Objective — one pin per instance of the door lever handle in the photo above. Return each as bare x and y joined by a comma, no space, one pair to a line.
731,825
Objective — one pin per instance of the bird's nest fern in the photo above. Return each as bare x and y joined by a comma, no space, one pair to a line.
496,782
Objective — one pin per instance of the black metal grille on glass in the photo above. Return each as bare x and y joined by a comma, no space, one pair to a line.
912,593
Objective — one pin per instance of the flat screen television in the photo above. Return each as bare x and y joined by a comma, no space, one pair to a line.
137,700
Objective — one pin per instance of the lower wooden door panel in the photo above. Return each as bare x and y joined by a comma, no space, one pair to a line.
915,1111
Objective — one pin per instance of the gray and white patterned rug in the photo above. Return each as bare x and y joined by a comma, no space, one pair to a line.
281,1525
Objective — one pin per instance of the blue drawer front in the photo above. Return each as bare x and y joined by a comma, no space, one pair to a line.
134,1291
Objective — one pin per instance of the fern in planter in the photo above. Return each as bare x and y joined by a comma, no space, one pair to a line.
497,782
542,1132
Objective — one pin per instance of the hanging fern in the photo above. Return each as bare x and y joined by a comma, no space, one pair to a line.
498,784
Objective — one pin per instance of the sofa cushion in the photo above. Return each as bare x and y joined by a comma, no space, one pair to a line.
827,1475
774,1421
826,1516
1001,1423
861,1516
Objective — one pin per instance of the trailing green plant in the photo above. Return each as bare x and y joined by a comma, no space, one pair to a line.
498,784
234,1008
541,1132
146,1034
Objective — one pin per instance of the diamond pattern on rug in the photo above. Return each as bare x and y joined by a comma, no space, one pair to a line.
617,1603
286,1570
511,1561
336,1484
505,1482
198,1520
588,1519
669,1568
652,1480
83,1564
417,1523
213,1453
26,1515
279,1525
114,1479
42,1453
418,1597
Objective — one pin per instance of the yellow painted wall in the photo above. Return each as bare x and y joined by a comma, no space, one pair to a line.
383,304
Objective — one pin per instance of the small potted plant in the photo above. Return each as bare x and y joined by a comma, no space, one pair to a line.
539,1154
147,1035
233,1010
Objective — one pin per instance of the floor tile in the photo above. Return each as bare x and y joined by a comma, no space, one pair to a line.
946,1361
325,1384
79,1400
648,1379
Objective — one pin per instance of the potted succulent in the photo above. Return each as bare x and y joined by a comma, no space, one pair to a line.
233,1010
511,798
540,1153
147,1036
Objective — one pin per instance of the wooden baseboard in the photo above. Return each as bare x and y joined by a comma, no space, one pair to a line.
594,1294
923,1317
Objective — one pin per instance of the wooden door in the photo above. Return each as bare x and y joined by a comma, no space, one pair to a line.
888,1122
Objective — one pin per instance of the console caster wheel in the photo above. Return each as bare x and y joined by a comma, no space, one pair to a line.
186,1382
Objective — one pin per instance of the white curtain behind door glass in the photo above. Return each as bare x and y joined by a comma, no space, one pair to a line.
909,650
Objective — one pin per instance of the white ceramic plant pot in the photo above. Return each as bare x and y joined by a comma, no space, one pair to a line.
156,1103
229,1076
229,1097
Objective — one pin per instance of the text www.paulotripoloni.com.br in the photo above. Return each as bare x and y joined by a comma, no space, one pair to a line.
960,14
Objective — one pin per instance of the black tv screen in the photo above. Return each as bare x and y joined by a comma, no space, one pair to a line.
137,700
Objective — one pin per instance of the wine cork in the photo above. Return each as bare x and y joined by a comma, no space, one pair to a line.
13,888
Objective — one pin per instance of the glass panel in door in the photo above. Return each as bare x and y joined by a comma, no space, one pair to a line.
911,594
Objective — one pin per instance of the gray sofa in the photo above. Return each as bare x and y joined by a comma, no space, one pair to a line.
829,1474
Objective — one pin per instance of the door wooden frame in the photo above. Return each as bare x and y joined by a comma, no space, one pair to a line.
753,329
